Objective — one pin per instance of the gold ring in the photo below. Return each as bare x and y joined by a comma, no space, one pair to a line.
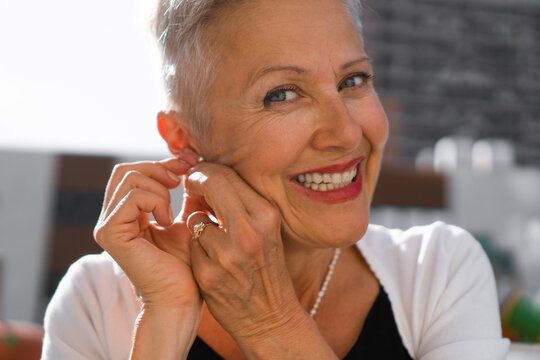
199,228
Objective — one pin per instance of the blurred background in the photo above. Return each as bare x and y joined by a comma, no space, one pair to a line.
460,80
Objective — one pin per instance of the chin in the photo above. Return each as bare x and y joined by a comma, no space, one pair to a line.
358,232
344,233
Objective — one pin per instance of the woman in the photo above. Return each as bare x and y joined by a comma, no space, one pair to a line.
271,256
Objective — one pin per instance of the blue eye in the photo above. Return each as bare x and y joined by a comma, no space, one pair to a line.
356,80
280,95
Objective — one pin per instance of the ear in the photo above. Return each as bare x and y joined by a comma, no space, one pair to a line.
175,133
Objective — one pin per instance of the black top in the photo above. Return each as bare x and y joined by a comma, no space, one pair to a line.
379,338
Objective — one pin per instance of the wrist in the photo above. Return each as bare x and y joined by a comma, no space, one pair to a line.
286,337
165,332
165,303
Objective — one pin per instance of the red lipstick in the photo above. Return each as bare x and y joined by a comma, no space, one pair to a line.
335,196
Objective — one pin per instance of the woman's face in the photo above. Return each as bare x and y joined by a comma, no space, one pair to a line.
293,101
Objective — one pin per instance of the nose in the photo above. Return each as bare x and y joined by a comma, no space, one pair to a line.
336,127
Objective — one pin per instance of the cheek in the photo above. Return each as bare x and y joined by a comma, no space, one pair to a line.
375,124
375,129
262,150
274,151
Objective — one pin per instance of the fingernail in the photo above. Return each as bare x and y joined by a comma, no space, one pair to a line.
171,215
173,176
188,156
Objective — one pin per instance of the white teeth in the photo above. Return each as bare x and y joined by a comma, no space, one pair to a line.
326,181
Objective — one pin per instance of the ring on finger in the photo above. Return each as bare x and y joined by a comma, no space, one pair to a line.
199,229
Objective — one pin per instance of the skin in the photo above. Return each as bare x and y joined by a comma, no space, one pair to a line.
243,285
319,127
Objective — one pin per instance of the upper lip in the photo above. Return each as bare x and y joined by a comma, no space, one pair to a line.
335,168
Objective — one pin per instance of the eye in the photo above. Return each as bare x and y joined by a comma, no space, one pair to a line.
280,95
356,80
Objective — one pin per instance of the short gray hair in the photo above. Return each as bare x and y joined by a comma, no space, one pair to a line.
181,29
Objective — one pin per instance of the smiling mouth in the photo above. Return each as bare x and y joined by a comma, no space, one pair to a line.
327,181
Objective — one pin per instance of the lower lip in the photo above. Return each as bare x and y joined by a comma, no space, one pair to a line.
336,196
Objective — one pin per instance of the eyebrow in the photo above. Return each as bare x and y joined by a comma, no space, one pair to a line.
354,62
261,73
300,70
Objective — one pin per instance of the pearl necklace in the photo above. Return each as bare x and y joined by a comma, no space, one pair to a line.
324,286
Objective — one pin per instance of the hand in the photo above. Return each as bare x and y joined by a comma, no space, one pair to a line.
155,256
239,263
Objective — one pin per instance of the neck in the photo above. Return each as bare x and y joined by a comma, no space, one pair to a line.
307,267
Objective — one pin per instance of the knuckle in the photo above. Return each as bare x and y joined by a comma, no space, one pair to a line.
99,234
254,246
253,240
166,195
131,176
206,278
118,170
165,203
219,175
214,179
132,194
118,173
228,175
228,261
271,218
226,171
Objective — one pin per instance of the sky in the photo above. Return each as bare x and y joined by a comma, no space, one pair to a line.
79,77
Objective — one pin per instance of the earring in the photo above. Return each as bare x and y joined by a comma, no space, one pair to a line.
200,158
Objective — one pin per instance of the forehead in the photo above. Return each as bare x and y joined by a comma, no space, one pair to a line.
280,32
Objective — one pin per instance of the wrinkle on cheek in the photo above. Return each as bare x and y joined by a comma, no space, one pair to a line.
290,216
254,140
260,128
229,146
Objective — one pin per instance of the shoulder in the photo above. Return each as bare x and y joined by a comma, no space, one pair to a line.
416,240
438,247
92,312
400,257
96,280
90,268
422,259
441,287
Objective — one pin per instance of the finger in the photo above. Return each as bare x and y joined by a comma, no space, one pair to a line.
176,239
211,235
133,179
193,204
200,263
138,202
225,192
166,172
176,165
188,155
123,224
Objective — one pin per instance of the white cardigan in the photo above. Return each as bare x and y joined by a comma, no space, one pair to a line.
437,277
